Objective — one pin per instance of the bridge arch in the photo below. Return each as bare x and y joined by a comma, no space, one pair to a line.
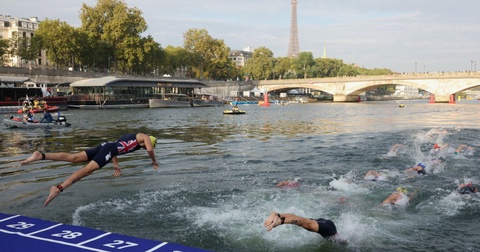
441,85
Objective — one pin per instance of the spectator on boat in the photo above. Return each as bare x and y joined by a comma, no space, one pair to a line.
47,117
326,228
97,158
36,104
27,115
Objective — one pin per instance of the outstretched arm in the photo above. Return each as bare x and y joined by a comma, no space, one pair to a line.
149,147
117,172
463,146
276,219
415,168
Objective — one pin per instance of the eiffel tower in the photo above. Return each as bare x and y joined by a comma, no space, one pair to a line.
293,48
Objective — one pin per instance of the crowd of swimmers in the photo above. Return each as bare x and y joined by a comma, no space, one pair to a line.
399,198
99,156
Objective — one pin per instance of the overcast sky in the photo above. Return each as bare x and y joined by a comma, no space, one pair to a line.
401,35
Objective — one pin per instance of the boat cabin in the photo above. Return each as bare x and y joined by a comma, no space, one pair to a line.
113,92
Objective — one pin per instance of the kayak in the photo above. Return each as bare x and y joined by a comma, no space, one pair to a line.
15,122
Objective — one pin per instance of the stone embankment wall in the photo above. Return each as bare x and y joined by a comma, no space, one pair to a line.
222,89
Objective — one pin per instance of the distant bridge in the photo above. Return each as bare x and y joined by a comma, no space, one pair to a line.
441,86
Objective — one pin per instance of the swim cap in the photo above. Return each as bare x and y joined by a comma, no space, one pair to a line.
422,165
402,189
153,140
436,146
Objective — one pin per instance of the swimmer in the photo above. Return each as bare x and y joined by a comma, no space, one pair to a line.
97,158
399,198
393,151
373,175
467,188
290,183
459,149
326,228
437,148
419,168
438,160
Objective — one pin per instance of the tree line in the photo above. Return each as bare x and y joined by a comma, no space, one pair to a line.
109,39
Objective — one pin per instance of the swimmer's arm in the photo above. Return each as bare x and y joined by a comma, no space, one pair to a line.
390,200
150,150
117,170
415,168
151,154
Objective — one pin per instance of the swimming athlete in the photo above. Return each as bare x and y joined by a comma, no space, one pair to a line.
98,157
467,188
399,198
395,148
289,183
373,175
419,168
326,228
459,149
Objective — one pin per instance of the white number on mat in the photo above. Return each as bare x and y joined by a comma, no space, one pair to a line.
21,225
115,244
67,234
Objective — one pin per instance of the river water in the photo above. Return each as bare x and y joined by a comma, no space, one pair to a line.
217,176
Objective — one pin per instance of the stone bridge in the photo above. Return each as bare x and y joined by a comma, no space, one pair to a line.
441,86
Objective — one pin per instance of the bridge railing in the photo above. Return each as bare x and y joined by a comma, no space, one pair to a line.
429,75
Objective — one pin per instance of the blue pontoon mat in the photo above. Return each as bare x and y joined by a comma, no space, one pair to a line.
21,233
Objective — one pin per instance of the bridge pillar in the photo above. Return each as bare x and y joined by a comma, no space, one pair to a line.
452,99
345,98
442,98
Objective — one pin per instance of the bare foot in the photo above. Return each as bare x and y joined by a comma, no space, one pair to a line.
272,221
54,192
34,157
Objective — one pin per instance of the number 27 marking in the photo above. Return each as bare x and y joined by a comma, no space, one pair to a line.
115,244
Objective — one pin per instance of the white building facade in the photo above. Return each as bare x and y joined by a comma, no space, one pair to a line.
11,28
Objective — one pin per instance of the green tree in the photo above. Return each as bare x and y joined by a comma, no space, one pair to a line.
209,56
303,63
118,27
28,48
282,66
175,58
57,38
3,51
261,65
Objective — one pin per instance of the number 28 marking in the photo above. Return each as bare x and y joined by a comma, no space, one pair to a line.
67,234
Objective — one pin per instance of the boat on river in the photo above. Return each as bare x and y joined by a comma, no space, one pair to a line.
234,103
206,100
16,122
234,111
15,90
113,92
40,110
170,101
